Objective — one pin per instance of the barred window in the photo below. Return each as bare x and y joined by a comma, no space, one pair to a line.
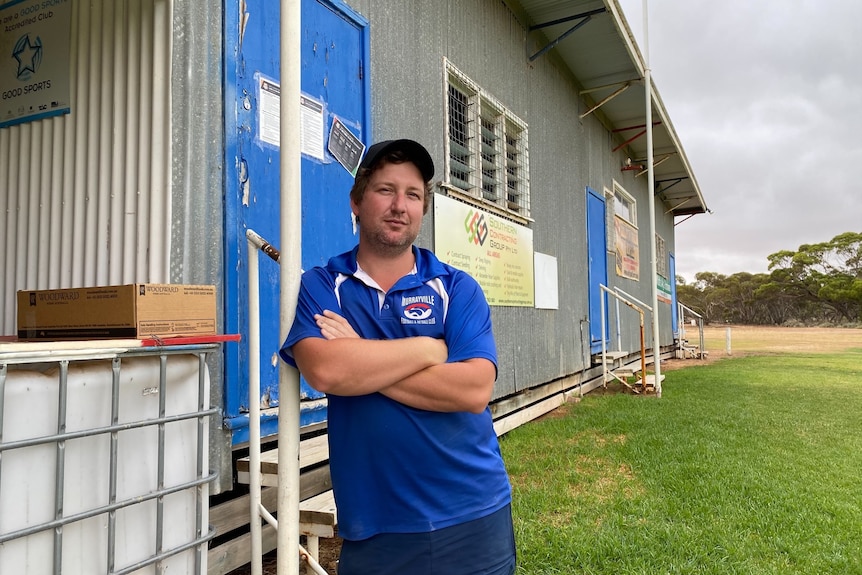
459,138
517,190
661,257
487,147
619,204
624,206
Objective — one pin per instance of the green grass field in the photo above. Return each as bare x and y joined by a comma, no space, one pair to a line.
749,465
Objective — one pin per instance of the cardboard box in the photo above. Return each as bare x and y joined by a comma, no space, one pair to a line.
134,311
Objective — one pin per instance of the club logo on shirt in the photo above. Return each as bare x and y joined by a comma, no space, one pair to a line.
418,309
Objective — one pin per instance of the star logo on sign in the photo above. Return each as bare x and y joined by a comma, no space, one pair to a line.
29,56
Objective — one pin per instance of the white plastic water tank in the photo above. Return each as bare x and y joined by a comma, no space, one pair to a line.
28,474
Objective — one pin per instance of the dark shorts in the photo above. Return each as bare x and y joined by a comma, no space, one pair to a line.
485,546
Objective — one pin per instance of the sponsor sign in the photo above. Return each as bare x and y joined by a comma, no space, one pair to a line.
497,252
626,248
34,60
663,294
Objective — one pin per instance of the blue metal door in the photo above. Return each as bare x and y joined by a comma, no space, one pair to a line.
597,268
335,89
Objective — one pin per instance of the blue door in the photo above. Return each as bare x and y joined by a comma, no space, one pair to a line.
597,266
335,89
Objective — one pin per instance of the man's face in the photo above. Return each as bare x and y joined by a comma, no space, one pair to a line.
390,212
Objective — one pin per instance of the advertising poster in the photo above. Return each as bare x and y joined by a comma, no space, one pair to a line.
663,286
626,248
498,253
661,256
34,60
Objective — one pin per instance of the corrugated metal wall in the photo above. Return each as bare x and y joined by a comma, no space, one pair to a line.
485,41
86,197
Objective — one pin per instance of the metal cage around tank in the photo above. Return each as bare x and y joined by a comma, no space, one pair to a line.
104,457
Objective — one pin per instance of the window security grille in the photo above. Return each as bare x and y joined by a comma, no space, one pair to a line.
488,157
517,189
460,168
624,206
619,203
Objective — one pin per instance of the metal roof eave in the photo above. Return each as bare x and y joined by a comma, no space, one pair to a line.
603,56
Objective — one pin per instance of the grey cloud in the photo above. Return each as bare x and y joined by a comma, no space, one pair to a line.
766,98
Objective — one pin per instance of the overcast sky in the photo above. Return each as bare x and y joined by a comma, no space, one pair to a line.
766,98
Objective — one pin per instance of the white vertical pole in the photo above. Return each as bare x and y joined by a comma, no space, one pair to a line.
656,342
254,408
604,336
290,267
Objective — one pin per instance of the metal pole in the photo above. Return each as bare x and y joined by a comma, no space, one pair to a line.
290,267
254,407
602,289
656,341
643,353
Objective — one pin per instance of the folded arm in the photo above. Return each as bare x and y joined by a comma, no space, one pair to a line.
362,366
457,386
412,371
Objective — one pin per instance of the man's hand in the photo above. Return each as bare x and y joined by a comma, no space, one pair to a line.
334,326
462,386
343,363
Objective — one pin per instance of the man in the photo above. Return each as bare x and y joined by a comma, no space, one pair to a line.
402,346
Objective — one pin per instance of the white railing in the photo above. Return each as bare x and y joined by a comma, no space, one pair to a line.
682,309
258,510
621,296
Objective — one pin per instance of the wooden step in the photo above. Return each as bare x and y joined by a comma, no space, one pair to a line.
627,370
311,452
319,510
610,357
317,518
650,380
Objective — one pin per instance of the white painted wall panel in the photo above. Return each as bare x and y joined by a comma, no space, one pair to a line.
85,198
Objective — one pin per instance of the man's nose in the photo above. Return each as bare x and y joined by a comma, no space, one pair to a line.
399,200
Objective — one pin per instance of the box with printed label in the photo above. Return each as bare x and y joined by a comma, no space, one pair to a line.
135,311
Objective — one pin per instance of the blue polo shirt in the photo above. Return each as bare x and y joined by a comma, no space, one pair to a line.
397,469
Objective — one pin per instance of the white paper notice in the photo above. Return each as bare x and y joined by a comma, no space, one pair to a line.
311,128
269,112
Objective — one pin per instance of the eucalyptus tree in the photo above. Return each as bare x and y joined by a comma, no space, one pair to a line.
827,275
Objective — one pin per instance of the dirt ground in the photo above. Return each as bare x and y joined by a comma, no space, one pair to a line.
721,342
729,341
747,340
329,550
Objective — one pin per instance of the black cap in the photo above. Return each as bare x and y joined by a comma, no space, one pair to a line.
414,151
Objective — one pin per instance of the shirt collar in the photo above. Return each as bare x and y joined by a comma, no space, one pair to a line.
425,268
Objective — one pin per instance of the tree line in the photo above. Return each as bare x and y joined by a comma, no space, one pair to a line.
818,284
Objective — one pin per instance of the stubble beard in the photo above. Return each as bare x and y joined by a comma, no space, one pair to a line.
384,244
